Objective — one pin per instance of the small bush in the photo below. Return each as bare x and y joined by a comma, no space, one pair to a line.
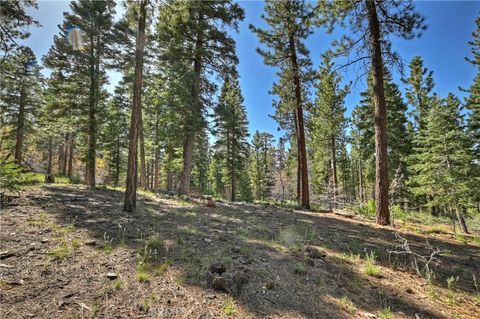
300,269
370,268
229,308
367,210
143,276
385,313
398,213
162,268
60,253
347,305
117,284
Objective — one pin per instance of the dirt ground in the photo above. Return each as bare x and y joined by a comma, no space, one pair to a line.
70,252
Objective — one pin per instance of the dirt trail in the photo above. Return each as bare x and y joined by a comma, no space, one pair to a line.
59,244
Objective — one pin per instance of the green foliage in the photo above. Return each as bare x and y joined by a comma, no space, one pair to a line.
10,176
347,305
231,146
229,308
370,268
261,165
367,210
385,313
60,253
328,125
442,161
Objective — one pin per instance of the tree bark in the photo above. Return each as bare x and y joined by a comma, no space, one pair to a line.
20,125
188,144
65,155
49,178
143,172
334,169
184,187
380,118
117,162
170,156
91,156
301,128
61,153
156,166
131,184
461,221
70,156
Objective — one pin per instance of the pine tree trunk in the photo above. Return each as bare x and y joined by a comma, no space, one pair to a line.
131,184
461,221
234,177
188,144
156,164
20,126
61,153
49,178
187,165
71,157
117,162
65,155
90,168
301,128
334,169
143,173
169,169
381,156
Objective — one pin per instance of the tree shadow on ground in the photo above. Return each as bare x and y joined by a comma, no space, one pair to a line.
267,245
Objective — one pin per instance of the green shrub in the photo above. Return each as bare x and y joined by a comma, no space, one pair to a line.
398,213
371,268
10,177
367,210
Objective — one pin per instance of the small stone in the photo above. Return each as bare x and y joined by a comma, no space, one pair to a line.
90,242
270,285
112,275
207,240
217,268
220,283
5,254
314,252
44,240
210,203
236,250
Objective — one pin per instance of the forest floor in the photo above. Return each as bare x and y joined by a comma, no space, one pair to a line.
67,251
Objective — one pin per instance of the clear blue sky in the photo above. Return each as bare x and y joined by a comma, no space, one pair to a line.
443,47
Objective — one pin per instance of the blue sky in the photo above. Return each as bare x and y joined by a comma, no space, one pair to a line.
443,47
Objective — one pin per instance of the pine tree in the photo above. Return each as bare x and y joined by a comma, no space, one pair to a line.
289,23
136,117
400,140
20,100
442,169
327,126
261,165
195,33
384,18
115,133
231,131
472,103
419,86
14,21
81,51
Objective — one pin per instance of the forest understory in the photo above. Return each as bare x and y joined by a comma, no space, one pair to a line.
67,251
